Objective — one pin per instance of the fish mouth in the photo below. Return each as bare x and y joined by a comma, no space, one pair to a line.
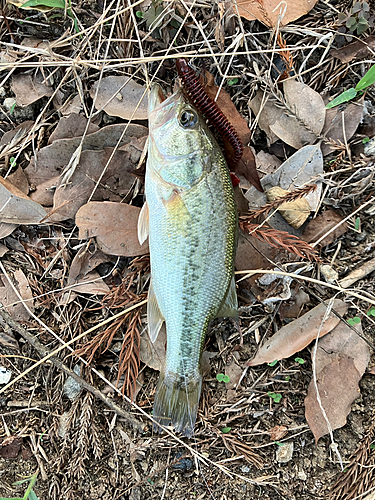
156,97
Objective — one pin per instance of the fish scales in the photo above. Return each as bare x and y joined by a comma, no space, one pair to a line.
191,222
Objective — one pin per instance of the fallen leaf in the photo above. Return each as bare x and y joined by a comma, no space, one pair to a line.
153,354
266,113
17,208
372,371
294,212
343,340
19,180
45,192
24,289
6,229
266,163
298,170
278,432
40,8
299,121
84,262
338,388
333,126
92,284
71,126
114,225
68,198
268,12
54,158
298,334
205,362
318,227
72,105
120,96
247,168
292,308
233,370
28,88
356,50
10,447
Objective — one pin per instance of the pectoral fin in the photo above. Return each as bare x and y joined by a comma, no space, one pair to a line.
143,224
229,307
154,316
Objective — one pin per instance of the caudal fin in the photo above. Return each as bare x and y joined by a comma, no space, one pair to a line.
176,402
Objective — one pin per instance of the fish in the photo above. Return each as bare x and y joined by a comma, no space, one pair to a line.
190,219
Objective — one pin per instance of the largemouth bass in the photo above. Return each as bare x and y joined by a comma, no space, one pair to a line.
190,218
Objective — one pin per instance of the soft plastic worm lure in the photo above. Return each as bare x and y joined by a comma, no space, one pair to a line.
209,108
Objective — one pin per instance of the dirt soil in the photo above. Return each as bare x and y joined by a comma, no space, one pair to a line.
93,442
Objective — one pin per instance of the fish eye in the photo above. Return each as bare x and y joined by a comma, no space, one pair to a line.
188,118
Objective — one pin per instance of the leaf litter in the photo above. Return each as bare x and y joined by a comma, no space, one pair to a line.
342,250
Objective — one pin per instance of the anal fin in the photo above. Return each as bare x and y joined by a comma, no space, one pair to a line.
143,224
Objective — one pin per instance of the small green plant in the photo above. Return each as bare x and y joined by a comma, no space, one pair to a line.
358,19
276,396
140,14
354,321
53,4
12,108
299,360
371,311
225,430
278,443
372,446
349,94
12,161
287,378
232,81
222,378
273,363
365,140
357,225
29,493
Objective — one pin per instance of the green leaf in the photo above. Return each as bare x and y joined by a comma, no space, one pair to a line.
372,446
356,320
371,311
140,14
277,398
350,22
232,81
365,140
225,430
59,4
278,443
226,379
220,377
273,363
357,224
175,24
344,97
287,378
12,108
299,360
13,498
271,394
367,80
12,161
32,495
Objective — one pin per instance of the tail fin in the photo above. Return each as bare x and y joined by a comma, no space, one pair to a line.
176,402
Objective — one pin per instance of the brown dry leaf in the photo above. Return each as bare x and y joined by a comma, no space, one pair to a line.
247,168
278,432
71,126
316,228
266,163
6,229
9,298
29,88
299,333
293,306
356,50
54,158
19,180
153,354
3,250
372,371
10,447
233,370
45,192
268,11
115,183
333,126
299,122
17,208
338,388
114,225
92,284
85,261
123,95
